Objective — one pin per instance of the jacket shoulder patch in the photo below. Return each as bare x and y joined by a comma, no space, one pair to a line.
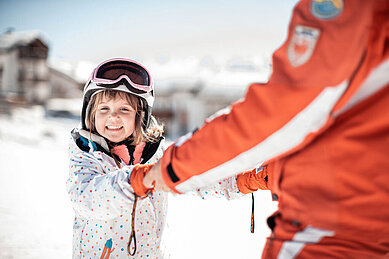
302,44
326,9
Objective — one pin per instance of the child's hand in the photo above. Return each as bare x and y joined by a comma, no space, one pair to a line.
136,179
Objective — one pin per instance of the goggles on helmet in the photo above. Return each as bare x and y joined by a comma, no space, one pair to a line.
112,72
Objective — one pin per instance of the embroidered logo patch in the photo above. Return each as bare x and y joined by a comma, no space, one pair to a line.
326,9
302,45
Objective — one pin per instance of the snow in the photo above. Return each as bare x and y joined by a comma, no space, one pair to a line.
217,228
36,215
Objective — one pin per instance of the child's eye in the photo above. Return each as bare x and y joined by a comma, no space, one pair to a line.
126,109
103,109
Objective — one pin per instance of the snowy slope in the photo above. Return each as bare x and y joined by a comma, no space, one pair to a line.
36,215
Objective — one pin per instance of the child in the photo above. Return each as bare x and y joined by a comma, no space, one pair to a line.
117,132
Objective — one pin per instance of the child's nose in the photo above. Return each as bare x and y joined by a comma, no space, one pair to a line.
114,114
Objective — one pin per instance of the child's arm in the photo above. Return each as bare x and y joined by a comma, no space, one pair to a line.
226,188
237,186
98,191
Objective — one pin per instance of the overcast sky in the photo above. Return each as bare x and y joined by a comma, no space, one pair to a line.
94,29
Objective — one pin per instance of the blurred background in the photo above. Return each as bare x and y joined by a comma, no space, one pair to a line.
202,56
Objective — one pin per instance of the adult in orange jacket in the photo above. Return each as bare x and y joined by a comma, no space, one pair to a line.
320,124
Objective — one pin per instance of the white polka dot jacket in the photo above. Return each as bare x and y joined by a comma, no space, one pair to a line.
103,200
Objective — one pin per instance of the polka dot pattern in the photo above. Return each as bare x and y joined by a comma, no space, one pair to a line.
102,199
226,188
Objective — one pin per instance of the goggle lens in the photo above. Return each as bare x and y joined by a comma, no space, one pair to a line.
113,70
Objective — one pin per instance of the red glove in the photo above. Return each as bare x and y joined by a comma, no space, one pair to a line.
136,179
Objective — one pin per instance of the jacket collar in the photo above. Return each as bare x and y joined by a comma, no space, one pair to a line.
148,152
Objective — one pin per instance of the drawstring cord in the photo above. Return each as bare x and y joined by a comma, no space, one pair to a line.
132,236
252,213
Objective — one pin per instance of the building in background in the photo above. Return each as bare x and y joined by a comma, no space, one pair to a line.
183,104
25,77
188,91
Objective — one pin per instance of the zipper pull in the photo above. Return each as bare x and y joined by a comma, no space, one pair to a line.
107,249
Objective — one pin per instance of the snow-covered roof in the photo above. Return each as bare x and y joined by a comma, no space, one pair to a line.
20,38
79,70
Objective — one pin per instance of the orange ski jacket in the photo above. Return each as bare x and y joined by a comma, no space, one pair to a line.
321,124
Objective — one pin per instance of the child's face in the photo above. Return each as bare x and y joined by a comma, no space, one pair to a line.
115,119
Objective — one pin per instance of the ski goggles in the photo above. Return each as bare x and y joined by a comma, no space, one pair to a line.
114,72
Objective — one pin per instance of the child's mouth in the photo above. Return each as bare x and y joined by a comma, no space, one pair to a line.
113,127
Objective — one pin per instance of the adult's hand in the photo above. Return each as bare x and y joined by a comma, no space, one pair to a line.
154,179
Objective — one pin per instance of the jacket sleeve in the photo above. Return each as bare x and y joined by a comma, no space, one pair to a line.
96,191
226,188
313,76
253,180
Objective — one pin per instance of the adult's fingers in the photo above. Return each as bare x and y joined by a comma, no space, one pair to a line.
154,179
149,179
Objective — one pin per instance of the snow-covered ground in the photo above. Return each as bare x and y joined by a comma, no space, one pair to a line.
36,215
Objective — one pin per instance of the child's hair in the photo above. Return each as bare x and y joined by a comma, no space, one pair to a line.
141,134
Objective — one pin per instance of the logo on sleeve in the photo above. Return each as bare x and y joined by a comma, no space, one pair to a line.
302,45
326,9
